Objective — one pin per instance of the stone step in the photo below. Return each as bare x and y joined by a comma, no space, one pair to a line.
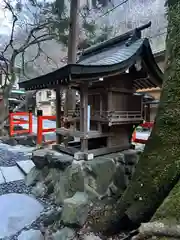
11,174
25,166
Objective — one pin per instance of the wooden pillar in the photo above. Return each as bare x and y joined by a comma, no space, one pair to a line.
147,112
58,114
84,116
100,112
110,108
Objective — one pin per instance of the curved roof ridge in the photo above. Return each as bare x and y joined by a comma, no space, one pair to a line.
113,41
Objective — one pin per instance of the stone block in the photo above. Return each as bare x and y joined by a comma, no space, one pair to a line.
102,170
70,181
12,174
25,166
79,156
75,209
88,156
64,234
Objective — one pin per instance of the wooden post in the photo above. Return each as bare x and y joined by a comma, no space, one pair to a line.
84,116
30,121
11,123
110,108
110,102
147,112
70,101
39,127
100,113
58,114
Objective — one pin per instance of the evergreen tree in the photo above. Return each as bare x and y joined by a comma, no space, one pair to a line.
57,13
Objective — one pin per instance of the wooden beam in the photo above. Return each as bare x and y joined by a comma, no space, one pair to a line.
101,109
80,134
106,150
68,150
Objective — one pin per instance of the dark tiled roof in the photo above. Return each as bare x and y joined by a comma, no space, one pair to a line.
111,57
117,54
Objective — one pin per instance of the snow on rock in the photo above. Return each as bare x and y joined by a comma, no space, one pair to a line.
16,213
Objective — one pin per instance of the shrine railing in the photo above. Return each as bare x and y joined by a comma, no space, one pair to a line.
41,130
111,115
16,119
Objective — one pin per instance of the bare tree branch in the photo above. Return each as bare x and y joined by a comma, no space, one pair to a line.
9,7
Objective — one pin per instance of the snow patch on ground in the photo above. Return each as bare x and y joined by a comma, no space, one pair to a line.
16,210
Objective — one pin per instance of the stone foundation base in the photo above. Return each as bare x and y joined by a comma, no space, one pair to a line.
77,185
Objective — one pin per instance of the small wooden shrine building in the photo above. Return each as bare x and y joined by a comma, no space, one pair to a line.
107,76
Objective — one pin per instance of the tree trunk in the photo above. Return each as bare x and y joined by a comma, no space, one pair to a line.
159,166
169,211
165,222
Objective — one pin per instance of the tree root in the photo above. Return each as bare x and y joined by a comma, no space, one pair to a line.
158,229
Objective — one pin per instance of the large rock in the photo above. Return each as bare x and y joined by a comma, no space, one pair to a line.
51,158
35,175
102,170
58,160
50,216
39,158
64,234
10,141
70,181
26,140
130,157
120,179
75,209
31,235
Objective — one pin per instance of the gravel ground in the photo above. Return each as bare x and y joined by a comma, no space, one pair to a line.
10,154
14,187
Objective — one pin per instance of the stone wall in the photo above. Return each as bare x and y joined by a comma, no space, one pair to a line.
77,185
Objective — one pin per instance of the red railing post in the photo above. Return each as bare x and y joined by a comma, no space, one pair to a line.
30,121
11,124
39,127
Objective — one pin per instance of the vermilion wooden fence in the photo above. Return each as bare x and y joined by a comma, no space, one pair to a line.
41,130
14,121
